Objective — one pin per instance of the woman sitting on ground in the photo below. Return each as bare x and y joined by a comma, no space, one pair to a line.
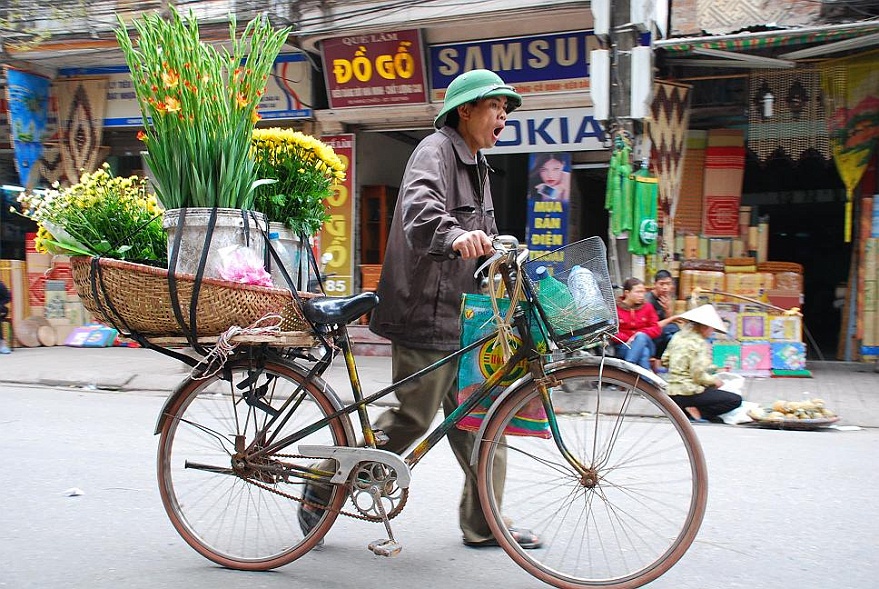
692,382
639,325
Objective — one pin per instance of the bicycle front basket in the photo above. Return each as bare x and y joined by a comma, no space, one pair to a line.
571,289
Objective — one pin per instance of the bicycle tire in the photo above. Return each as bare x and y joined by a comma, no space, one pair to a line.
647,468
238,519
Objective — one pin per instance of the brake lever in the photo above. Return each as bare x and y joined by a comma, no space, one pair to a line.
497,255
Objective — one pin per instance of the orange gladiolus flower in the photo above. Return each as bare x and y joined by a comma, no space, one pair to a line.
171,104
255,117
241,100
141,136
170,79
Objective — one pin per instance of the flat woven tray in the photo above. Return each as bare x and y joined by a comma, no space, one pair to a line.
135,298
791,424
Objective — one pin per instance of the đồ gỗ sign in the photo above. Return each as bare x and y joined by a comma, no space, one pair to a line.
375,69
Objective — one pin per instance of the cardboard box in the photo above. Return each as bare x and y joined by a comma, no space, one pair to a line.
749,284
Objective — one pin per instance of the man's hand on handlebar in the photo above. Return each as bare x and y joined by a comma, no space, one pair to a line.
473,244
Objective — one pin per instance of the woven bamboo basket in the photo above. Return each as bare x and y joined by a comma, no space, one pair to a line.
135,298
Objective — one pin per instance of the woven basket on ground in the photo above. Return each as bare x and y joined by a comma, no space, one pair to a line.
140,301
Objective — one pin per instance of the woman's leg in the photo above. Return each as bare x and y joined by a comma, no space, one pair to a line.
713,402
685,402
639,351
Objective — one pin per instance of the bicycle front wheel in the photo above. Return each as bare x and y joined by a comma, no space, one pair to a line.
624,499
232,503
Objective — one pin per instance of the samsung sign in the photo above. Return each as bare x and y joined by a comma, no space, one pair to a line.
565,129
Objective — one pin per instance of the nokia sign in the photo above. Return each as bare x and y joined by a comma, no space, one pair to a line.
570,129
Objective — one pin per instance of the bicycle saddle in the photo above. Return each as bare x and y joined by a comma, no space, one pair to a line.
324,310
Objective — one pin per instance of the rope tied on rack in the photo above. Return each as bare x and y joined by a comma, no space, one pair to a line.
217,357
503,322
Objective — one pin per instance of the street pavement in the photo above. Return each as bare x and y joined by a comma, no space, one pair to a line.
851,390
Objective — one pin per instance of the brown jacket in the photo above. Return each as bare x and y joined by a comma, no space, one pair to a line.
422,279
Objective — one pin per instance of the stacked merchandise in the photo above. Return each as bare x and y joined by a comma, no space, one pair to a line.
761,340
759,343
870,322
54,311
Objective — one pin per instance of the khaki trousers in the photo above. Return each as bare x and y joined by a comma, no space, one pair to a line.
418,405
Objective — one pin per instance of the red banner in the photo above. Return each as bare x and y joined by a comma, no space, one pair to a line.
375,69
337,234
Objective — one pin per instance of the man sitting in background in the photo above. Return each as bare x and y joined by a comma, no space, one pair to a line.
662,300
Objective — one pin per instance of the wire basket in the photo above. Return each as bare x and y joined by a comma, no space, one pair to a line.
572,291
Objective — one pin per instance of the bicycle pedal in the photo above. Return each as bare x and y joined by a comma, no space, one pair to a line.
384,547
381,438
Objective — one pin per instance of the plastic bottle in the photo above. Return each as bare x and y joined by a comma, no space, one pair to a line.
587,296
556,301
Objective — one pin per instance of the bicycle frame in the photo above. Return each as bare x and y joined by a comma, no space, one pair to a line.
360,402
527,351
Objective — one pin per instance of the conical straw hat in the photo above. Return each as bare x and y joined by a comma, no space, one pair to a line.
705,315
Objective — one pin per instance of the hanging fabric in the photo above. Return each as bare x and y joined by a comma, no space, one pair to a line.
643,238
82,103
667,127
618,198
785,115
851,96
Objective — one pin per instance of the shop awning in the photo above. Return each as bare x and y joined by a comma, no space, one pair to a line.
732,50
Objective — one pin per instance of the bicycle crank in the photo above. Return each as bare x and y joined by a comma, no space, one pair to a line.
375,493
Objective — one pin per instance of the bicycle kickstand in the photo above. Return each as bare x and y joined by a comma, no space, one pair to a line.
384,547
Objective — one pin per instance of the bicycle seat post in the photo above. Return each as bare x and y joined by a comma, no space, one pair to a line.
344,342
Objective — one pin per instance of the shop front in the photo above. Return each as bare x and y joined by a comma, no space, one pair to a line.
763,180
385,88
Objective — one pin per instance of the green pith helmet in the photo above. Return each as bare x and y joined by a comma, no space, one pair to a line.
474,85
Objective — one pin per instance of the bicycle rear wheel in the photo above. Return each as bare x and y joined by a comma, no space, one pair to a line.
234,508
633,508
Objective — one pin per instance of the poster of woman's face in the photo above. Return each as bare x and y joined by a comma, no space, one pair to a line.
550,176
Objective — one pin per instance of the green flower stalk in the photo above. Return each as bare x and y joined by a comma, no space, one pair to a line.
199,105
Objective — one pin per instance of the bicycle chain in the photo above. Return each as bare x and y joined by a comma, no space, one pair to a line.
391,515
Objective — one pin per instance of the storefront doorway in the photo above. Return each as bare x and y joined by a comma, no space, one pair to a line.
804,203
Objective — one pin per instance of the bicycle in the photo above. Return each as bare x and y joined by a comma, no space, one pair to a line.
617,490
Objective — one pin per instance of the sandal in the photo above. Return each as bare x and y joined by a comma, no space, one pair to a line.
527,539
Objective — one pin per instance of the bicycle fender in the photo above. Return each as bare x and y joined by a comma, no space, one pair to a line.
324,387
616,363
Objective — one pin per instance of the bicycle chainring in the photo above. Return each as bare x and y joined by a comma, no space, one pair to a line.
369,476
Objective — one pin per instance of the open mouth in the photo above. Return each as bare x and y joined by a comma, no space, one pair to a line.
497,131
